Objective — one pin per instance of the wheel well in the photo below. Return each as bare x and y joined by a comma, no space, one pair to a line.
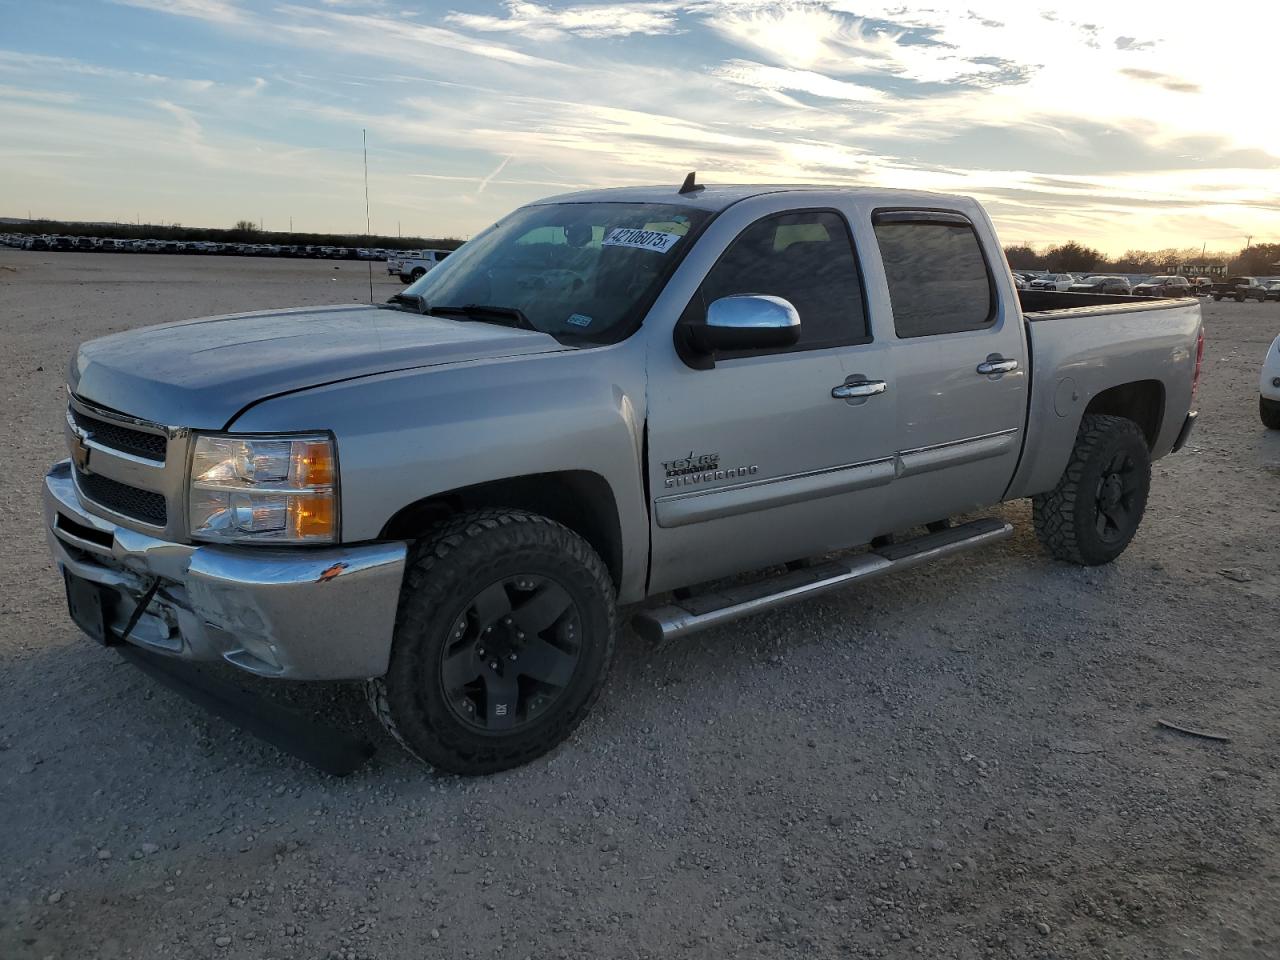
579,499
1141,401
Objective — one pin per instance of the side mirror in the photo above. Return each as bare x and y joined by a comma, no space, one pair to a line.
746,322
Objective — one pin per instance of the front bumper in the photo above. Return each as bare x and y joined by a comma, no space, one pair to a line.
297,613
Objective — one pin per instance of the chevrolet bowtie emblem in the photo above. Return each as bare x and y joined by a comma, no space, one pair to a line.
80,453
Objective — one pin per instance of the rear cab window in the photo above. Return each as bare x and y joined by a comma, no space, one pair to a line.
938,277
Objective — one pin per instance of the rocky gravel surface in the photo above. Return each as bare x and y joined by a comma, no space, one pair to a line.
963,762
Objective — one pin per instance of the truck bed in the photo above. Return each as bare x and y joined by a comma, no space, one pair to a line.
1056,301
1094,342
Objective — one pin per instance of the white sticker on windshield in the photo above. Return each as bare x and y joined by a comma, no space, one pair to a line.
640,239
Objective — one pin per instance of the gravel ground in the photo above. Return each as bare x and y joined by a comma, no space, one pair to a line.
961,762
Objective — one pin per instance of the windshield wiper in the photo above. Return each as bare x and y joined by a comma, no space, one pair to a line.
412,299
506,316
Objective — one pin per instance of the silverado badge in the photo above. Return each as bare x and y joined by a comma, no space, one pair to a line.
703,468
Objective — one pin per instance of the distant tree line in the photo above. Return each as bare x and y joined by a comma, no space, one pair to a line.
1262,258
245,231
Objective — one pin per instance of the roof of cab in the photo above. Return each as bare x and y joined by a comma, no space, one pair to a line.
717,197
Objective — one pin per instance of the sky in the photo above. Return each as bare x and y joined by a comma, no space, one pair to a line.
1120,125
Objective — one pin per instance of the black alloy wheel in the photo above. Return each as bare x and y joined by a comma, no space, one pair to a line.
1119,491
513,651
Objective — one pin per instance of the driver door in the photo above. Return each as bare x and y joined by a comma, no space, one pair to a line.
753,461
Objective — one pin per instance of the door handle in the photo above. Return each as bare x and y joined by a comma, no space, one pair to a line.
859,389
996,364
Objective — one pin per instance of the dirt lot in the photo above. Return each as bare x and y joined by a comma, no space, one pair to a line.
963,762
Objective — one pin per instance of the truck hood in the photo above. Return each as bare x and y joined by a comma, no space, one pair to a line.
201,373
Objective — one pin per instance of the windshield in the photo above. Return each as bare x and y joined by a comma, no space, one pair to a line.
578,271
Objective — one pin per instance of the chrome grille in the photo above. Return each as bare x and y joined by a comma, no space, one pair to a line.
143,505
119,437
129,469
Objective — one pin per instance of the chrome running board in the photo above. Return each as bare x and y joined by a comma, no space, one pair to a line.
733,603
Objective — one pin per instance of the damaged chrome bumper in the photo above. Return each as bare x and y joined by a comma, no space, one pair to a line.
302,614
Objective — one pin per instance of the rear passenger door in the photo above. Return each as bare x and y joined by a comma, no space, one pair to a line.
960,366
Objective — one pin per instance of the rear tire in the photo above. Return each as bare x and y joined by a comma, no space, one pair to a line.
503,638
1269,411
1094,511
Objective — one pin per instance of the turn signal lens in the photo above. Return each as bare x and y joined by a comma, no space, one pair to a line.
313,463
313,517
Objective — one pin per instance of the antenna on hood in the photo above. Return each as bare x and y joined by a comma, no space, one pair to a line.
689,185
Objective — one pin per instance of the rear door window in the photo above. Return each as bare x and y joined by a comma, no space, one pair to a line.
937,275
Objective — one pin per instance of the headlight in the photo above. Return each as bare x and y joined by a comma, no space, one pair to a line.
264,489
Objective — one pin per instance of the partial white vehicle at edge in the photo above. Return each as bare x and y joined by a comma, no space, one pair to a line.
1269,387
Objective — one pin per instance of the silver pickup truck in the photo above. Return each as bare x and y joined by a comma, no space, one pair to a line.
697,403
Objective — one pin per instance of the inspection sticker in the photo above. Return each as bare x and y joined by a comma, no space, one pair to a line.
580,320
640,239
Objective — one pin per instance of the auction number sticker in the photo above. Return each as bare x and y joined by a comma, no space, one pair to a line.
641,239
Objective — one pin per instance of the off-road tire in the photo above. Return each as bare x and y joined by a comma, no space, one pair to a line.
1066,517
465,554
1269,411
417,274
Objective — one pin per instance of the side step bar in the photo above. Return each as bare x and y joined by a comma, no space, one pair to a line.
713,609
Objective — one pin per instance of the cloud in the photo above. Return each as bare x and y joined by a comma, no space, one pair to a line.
839,44
777,79
1132,43
215,11
390,37
541,23
42,96
1164,80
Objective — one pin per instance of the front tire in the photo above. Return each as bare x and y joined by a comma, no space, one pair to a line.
503,639
1269,411
1094,511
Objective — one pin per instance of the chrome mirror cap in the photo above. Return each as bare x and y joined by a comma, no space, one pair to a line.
754,311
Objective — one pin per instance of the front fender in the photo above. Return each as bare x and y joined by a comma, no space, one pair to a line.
406,436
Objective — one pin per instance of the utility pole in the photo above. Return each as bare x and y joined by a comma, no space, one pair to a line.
291,224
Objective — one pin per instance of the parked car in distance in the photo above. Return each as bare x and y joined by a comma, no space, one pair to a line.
608,399
1240,289
1269,387
1052,281
1273,289
1163,286
1101,285
1202,286
413,265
